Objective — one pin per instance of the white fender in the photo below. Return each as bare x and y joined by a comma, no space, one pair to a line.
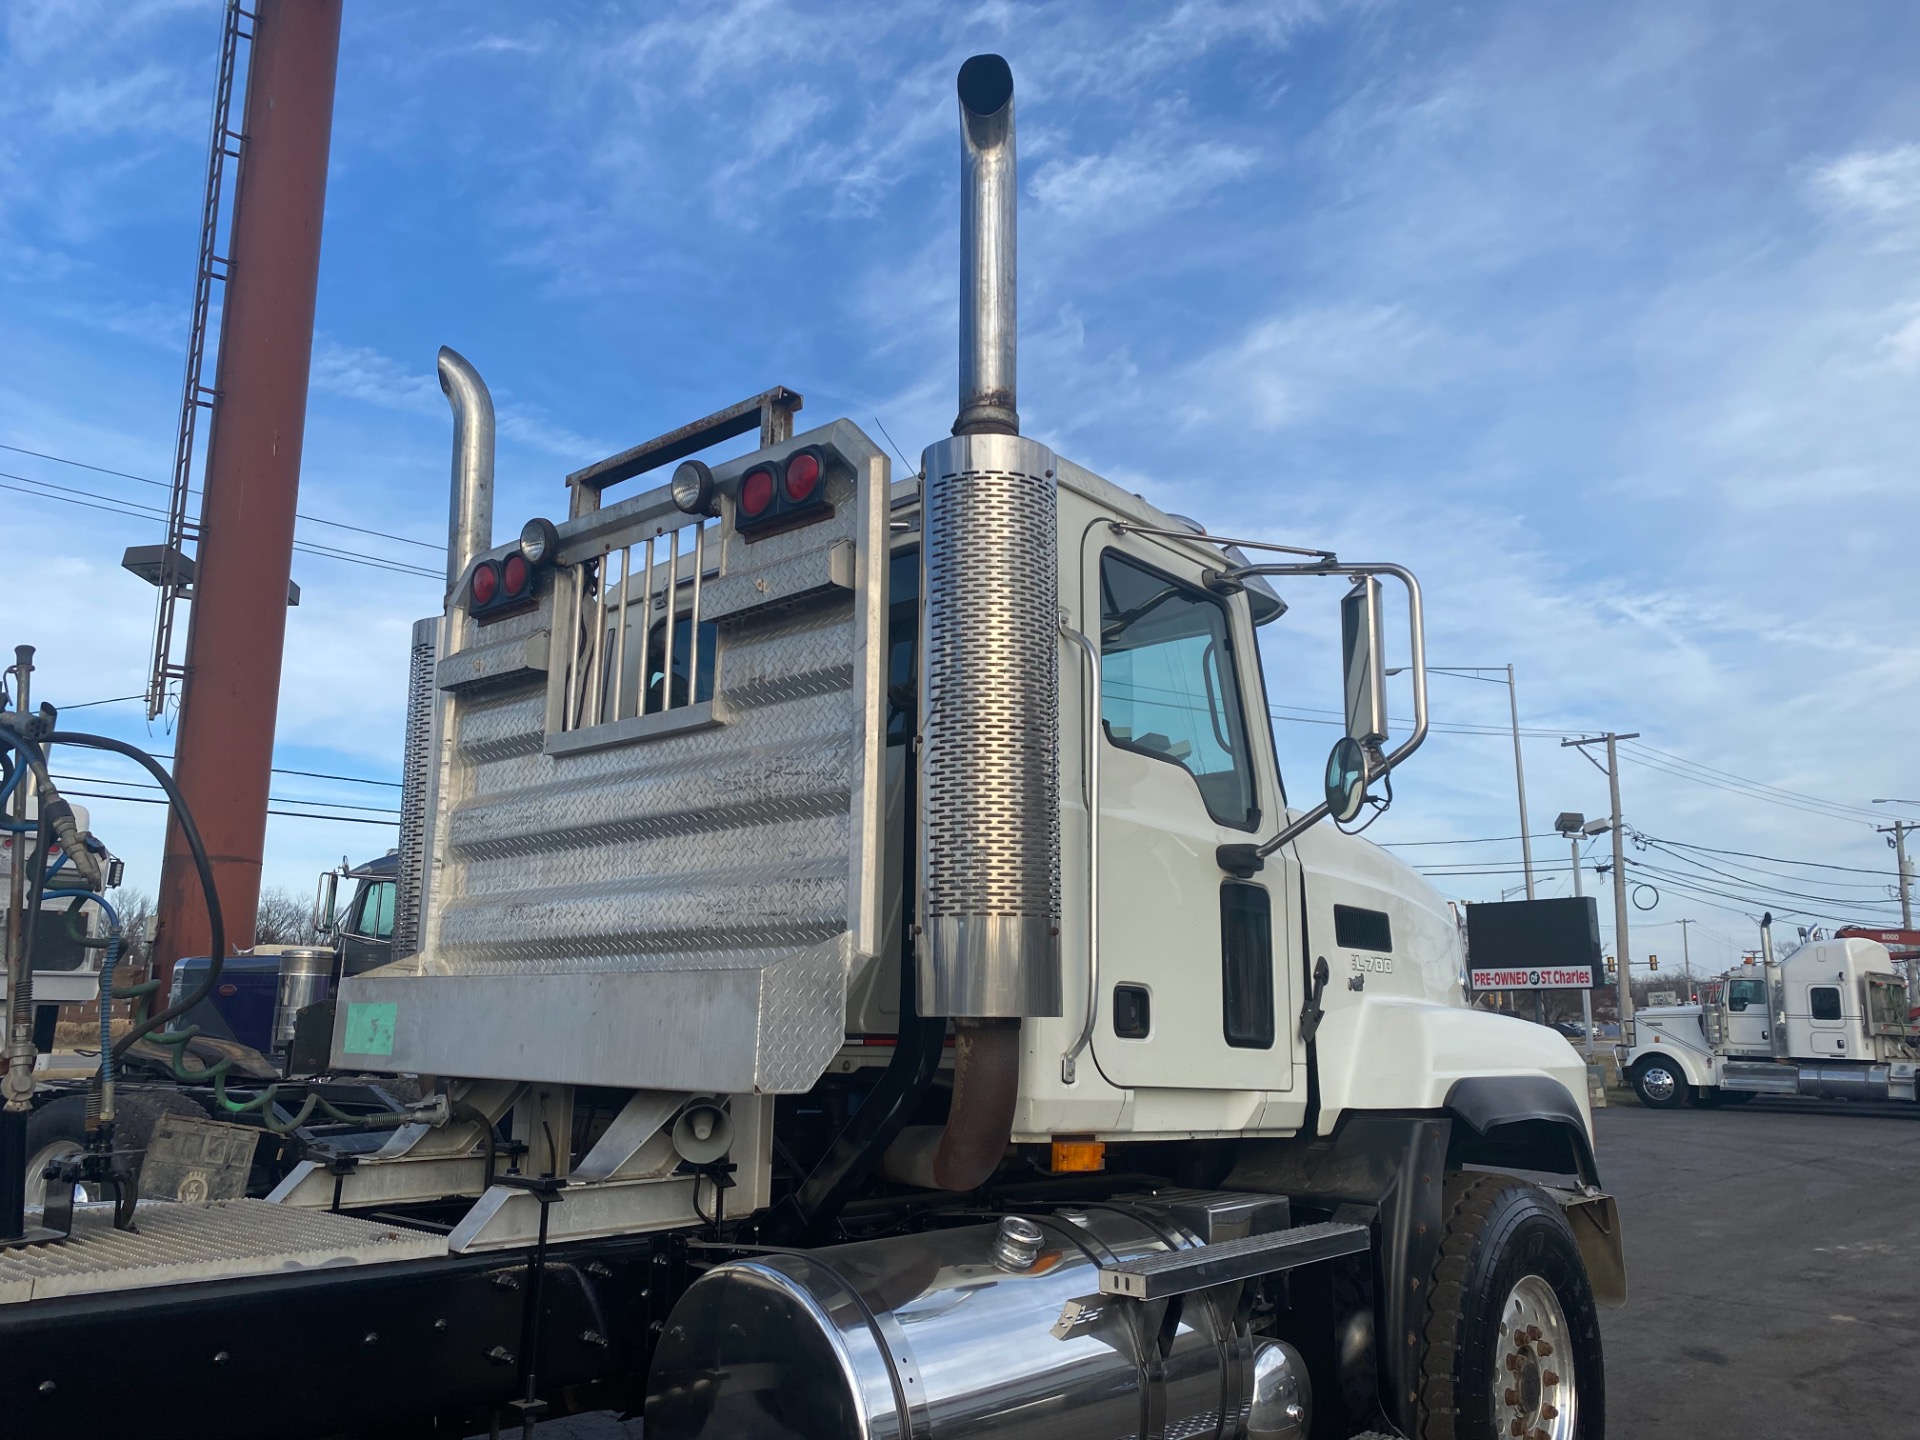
1396,1052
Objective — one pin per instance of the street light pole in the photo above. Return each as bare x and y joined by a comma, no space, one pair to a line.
1520,782
1481,672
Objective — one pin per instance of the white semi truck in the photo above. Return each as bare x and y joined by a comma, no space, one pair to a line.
871,981
1831,1019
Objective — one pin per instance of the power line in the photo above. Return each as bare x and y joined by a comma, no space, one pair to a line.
195,490
1752,790
111,505
282,799
1477,840
1745,780
1776,859
291,814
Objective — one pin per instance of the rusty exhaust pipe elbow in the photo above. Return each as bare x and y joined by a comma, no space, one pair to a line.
986,1083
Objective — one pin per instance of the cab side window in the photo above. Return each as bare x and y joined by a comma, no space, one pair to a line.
1743,993
375,920
1169,684
1825,1001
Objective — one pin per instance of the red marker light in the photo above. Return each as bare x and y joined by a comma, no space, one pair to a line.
756,493
486,582
515,575
803,476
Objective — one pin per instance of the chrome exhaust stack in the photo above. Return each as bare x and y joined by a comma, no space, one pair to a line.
470,514
989,191
989,702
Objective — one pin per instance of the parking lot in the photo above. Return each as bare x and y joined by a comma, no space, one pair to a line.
1773,1257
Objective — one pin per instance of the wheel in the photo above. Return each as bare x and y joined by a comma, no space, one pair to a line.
1659,1084
56,1131
1513,1340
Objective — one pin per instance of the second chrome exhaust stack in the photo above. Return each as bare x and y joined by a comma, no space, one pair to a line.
470,511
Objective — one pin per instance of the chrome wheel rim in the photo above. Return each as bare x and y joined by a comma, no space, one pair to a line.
1658,1082
1534,1394
37,1164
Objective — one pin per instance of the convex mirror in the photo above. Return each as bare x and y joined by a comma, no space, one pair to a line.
1346,779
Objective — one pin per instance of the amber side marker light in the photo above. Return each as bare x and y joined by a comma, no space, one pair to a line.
1078,1156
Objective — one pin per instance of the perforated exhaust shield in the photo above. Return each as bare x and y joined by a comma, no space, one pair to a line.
990,816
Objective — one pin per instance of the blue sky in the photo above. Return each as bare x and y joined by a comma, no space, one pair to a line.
1605,319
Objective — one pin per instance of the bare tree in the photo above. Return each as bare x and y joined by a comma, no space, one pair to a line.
135,908
284,919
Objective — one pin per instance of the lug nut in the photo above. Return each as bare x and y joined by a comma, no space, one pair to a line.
1547,1412
1544,1348
1512,1397
1549,1377
1517,1428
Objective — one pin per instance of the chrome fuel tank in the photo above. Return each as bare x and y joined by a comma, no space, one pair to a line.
983,1329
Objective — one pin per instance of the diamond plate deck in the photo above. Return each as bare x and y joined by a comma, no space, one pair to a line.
185,1244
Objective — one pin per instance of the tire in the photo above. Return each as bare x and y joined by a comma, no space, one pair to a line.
59,1129
1660,1084
1507,1255
56,1131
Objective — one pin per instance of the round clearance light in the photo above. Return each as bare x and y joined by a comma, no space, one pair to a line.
486,582
803,476
756,493
692,488
516,576
539,542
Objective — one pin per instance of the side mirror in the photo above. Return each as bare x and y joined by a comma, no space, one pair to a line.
324,900
1364,659
1346,779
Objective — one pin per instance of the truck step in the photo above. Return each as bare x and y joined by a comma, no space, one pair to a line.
1176,1272
182,1243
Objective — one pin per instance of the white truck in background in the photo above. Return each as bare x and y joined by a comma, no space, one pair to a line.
1831,1019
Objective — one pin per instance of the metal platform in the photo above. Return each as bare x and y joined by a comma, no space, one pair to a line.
177,1243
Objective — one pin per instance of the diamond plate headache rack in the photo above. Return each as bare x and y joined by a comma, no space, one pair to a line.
771,410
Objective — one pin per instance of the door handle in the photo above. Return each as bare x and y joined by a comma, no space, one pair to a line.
1311,1012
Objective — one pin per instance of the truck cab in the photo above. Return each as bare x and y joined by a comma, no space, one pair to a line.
1831,1019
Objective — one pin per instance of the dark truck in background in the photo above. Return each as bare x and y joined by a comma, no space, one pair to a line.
192,1104
261,995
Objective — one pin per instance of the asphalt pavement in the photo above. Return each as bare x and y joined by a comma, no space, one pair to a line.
1773,1271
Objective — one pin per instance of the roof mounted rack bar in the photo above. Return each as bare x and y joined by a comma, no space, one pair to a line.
771,410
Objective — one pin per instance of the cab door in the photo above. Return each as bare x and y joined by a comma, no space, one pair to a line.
1196,989
1826,1021
1748,1018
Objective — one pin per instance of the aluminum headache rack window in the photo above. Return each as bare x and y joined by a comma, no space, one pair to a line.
637,644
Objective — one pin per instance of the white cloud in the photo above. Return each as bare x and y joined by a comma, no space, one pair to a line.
1133,186
1883,185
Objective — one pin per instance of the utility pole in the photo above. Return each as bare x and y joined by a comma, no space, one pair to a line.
1686,956
1620,947
1899,830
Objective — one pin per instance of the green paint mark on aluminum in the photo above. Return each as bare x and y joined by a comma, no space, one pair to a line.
370,1028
